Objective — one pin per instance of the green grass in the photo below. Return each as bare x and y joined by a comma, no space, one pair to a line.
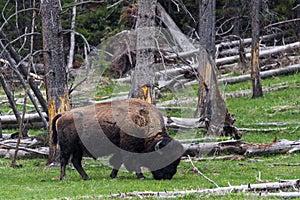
36,181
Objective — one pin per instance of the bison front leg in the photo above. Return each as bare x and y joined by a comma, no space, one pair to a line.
116,162
133,165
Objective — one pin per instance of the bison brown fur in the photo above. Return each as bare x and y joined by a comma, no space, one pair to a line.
130,130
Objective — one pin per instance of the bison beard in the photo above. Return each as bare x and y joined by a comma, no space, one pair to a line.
131,130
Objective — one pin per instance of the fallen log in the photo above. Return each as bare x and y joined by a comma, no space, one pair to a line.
262,130
262,53
228,44
215,148
274,124
8,151
241,148
245,41
184,123
242,93
11,119
280,147
229,157
28,125
259,187
281,195
265,74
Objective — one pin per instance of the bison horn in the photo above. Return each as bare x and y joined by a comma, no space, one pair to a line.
156,148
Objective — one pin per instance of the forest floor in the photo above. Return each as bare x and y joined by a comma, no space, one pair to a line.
275,115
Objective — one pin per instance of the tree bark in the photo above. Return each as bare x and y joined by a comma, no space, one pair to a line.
55,70
207,26
255,71
143,80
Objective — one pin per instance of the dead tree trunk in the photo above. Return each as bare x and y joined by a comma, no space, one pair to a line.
207,26
56,79
255,71
210,106
143,81
207,51
72,38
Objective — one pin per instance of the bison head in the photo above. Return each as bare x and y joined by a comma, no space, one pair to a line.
168,154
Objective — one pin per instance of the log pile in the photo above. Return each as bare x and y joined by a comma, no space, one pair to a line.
31,147
275,60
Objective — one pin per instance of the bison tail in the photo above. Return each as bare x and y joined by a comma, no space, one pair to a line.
54,130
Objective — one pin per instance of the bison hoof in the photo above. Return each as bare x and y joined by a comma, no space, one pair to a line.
113,176
140,176
114,173
86,178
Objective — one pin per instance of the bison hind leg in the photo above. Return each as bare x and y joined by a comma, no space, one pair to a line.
76,160
64,160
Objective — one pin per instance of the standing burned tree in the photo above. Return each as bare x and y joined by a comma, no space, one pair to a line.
143,80
255,71
55,69
211,107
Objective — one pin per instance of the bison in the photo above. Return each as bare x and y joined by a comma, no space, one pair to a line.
130,130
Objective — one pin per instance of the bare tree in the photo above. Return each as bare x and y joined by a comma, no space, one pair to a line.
72,37
255,71
206,28
207,49
55,69
211,106
143,81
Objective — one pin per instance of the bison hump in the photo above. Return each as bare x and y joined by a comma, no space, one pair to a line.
137,118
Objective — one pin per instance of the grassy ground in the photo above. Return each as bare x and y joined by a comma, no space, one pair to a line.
35,181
